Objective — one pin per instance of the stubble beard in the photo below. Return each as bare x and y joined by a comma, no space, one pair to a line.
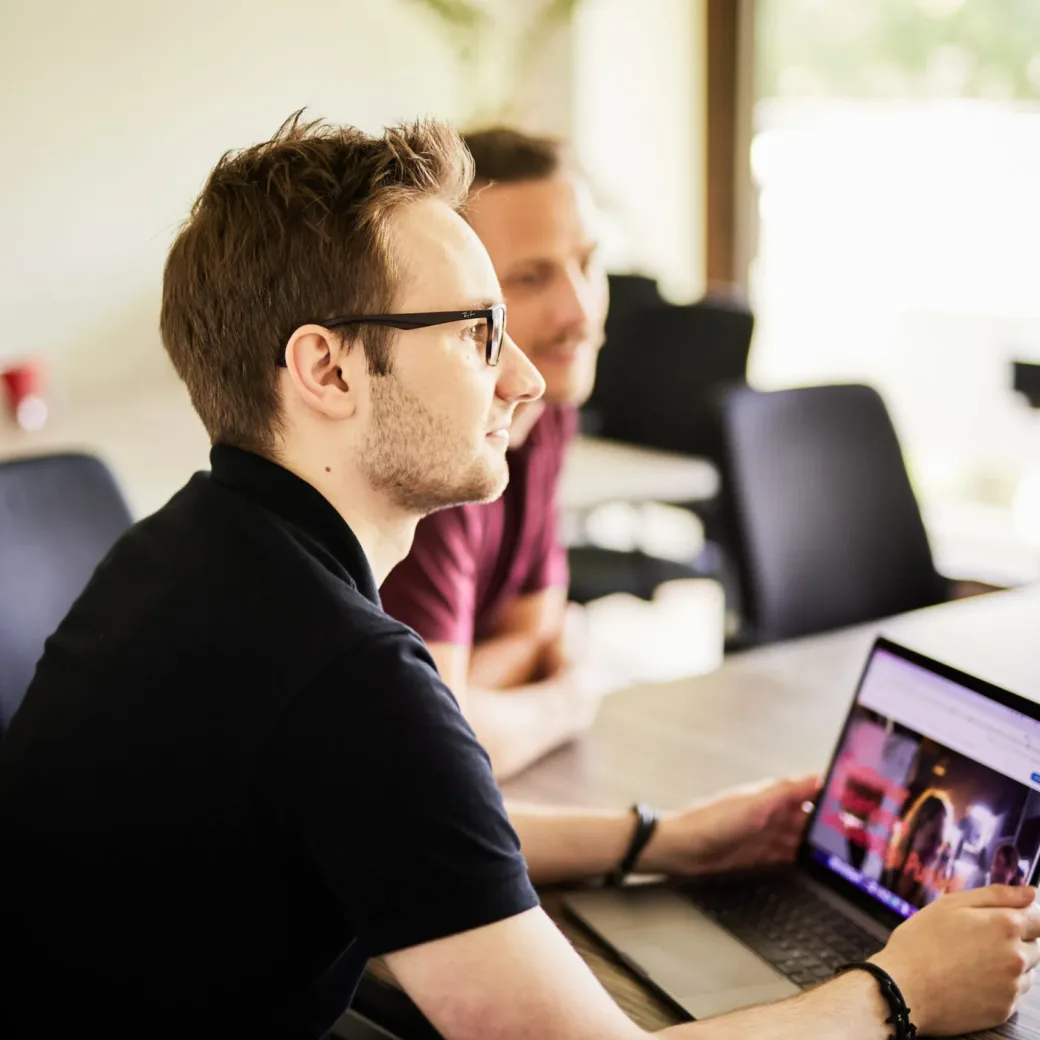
417,458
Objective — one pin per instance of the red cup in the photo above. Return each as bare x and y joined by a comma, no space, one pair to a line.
23,384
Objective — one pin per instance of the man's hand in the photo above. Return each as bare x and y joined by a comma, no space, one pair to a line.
964,961
570,645
748,827
582,687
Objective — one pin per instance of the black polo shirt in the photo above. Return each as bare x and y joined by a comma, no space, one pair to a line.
234,779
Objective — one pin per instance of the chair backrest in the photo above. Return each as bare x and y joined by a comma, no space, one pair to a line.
827,528
628,293
658,382
59,516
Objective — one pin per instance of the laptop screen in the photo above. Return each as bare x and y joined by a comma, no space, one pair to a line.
934,788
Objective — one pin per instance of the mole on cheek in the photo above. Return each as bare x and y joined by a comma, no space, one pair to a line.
328,469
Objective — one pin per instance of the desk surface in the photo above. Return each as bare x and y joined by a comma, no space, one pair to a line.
767,712
772,711
598,471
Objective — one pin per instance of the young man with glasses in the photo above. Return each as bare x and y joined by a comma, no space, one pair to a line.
234,778
485,585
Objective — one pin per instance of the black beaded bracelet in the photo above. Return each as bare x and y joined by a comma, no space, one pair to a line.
646,824
899,1016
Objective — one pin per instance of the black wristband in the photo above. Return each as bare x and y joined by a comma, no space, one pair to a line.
899,1013
646,824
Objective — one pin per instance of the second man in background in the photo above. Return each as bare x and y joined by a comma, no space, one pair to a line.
486,585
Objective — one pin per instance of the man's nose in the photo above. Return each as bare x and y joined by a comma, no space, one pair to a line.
518,379
574,300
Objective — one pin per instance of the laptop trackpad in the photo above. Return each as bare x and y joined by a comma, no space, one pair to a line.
670,942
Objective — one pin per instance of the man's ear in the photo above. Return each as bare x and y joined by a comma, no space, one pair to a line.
318,369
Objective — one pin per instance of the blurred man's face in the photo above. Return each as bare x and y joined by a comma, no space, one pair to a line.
542,239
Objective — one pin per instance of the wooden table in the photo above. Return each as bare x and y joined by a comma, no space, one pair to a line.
772,711
597,471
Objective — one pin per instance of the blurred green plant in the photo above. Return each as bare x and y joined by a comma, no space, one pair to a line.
899,49
495,50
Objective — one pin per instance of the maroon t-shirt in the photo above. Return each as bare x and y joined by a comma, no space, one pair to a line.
466,563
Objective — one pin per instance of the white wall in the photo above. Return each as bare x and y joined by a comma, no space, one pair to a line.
640,129
116,110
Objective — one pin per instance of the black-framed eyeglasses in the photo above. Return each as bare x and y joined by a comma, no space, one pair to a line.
492,333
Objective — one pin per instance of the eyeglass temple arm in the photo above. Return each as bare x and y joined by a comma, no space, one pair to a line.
395,321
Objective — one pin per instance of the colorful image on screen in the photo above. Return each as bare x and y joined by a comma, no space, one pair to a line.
934,789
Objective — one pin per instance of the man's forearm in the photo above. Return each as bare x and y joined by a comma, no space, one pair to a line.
849,1008
506,661
564,844
519,725
570,844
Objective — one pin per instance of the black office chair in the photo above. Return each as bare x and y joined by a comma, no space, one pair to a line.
827,528
59,516
661,377
659,381
596,572
629,293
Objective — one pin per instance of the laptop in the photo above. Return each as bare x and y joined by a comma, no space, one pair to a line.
934,787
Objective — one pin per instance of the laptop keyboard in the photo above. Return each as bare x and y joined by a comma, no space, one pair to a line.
785,923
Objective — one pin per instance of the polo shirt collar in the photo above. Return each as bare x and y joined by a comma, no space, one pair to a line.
298,503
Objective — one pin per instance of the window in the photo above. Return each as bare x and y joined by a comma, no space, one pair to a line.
895,159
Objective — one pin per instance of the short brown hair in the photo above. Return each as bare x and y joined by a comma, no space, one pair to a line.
507,156
286,232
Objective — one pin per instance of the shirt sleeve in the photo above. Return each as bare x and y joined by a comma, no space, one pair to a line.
549,567
380,780
434,589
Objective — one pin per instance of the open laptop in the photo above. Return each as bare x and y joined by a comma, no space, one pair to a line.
934,786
